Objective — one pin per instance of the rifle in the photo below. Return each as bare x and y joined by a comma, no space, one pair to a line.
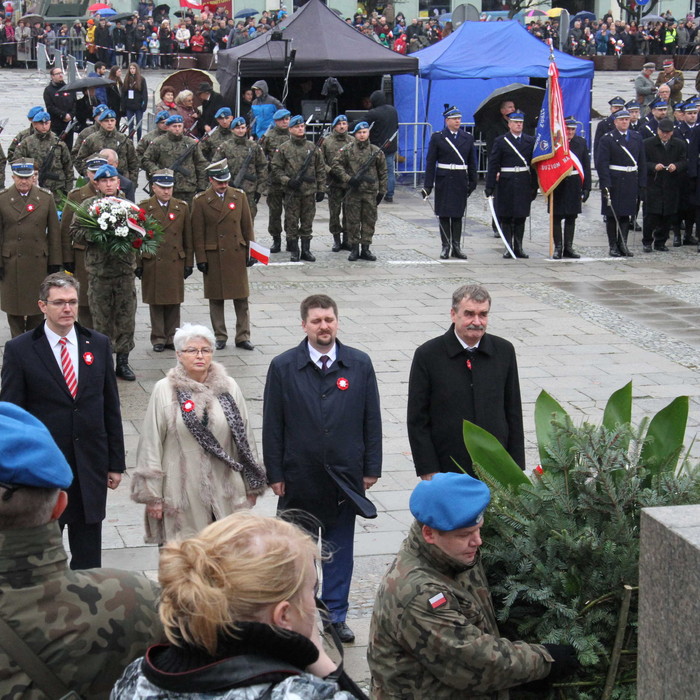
300,176
177,163
45,168
243,170
362,170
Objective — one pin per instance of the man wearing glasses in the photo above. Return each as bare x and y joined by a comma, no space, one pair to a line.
63,375
60,104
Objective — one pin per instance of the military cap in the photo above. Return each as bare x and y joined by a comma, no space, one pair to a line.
633,104
162,116
659,104
33,112
678,106
174,119
621,114
205,87
649,66
163,177
516,117
571,121
42,116
107,114
449,501
219,171
223,112
359,126
28,454
95,162
237,122
339,118
106,171
99,109
451,112
666,125
281,114
690,106
23,167
668,61
296,120
617,101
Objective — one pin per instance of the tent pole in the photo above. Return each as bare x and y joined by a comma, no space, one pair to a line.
415,132
238,87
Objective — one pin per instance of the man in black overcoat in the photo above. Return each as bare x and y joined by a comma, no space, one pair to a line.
666,162
212,102
322,428
464,374
511,176
451,169
621,166
87,427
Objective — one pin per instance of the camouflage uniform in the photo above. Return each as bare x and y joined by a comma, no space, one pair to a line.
300,204
361,202
146,141
85,625
111,288
121,143
336,191
216,139
17,140
84,133
236,150
273,139
434,634
164,151
3,163
36,147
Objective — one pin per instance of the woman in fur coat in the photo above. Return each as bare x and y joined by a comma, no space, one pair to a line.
196,460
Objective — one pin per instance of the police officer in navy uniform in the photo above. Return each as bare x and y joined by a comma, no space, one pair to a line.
512,178
650,124
451,169
616,104
635,110
621,166
686,209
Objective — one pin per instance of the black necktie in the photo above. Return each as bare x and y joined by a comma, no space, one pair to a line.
324,363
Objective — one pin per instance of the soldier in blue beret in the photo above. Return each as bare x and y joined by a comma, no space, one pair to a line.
433,632
337,225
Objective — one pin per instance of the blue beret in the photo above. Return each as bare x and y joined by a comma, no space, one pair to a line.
99,109
516,117
106,171
28,454
174,119
339,118
33,111
237,122
281,114
617,101
42,117
296,120
223,112
107,114
96,163
621,114
162,116
450,501
360,125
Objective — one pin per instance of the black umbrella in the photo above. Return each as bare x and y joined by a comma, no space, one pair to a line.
248,12
121,16
86,83
31,19
527,99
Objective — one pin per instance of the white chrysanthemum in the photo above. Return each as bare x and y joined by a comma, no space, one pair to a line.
122,231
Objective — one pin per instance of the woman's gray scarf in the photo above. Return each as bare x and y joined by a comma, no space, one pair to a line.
253,474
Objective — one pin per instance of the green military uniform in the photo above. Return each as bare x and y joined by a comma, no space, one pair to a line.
676,88
80,138
17,140
336,191
3,164
59,173
111,288
74,251
30,241
253,182
146,141
299,204
434,633
215,140
163,281
162,153
361,201
121,143
221,231
272,140
85,625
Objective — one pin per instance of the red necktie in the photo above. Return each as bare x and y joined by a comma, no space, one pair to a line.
68,371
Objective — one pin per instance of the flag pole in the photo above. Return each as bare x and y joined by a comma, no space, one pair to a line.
551,193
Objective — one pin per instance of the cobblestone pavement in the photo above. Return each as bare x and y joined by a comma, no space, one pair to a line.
581,329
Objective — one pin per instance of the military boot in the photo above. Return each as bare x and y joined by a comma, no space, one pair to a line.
123,370
367,254
276,244
507,229
445,241
518,235
556,235
456,235
622,243
293,247
354,252
569,229
290,245
337,245
345,244
306,250
677,242
611,230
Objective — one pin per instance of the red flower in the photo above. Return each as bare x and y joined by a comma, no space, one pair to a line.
149,233
97,211
137,243
142,215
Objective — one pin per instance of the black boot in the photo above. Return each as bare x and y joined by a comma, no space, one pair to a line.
293,248
518,235
290,245
556,235
354,252
367,254
444,238
569,229
622,243
456,232
344,244
611,230
507,229
276,244
337,245
306,250
677,242
123,370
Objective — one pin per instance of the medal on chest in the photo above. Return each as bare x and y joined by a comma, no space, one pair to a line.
30,207
343,384
88,358
231,205
171,216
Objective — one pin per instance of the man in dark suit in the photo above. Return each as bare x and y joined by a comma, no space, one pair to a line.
451,168
322,428
63,374
463,374
212,102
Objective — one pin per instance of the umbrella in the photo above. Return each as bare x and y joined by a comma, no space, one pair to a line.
555,12
446,17
121,16
106,12
582,15
98,6
535,13
189,79
654,18
248,12
31,19
527,99
85,83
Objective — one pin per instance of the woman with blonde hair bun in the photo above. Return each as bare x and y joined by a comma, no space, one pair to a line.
238,609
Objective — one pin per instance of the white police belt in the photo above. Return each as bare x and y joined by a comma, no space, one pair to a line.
516,169
451,166
574,173
624,168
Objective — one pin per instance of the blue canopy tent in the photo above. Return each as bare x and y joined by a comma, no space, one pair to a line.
471,63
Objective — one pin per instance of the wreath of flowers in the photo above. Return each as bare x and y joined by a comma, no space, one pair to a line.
118,226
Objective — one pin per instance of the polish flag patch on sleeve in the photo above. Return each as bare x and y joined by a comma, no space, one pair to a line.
437,601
